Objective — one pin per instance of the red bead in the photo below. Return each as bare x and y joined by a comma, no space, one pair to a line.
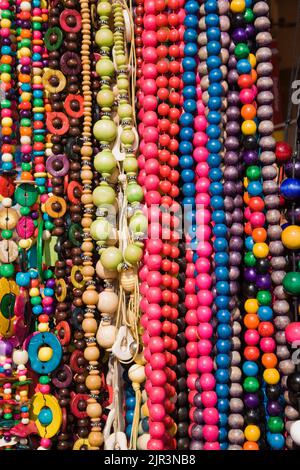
283,152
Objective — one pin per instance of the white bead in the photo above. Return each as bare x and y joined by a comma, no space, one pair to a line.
17,397
25,420
21,367
25,140
295,432
142,442
6,202
20,356
7,157
136,373
8,390
46,235
25,6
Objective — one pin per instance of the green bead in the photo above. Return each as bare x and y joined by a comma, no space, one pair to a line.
264,297
41,189
125,111
291,283
7,234
5,103
26,194
6,14
7,270
48,274
241,51
104,38
6,68
275,424
249,15
249,259
111,257
105,162
38,103
104,9
138,223
24,210
49,225
105,130
7,415
134,193
100,230
105,98
133,253
26,166
130,165
127,137
44,379
25,122
36,25
36,300
253,172
105,68
122,84
104,195
251,384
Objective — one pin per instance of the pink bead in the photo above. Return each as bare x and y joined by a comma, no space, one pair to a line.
211,446
267,345
148,370
144,304
150,8
209,399
204,249
203,216
154,327
204,347
203,281
191,379
156,430
211,416
150,134
205,330
292,332
155,444
151,182
257,219
45,442
191,333
6,112
143,273
190,285
252,337
47,301
207,382
157,411
190,270
202,265
210,433
157,395
149,70
158,378
43,198
191,317
144,321
191,365
202,200
5,32
152,197
200,154
144,288
247,213
150,55
202,169
154,262
154,278
158,361
150,150
44,388
150,104
152,166
247,96
154,295
204,313
191,301
149,39
200,139
154,247
202,184
205,364
200,123
149,87
39,168
192,349
154,311
205,298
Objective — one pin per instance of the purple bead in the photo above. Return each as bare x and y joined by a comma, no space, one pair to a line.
48,309
50,283
250,31
197,400
251,400
274,408
249,274
6,139
292,169
6,348
6,41
26,158
263,281
26,25
293,215
25,69
34,215
250,157
196,445
239,35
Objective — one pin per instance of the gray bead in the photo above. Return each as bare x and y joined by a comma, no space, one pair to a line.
277,277
264,69
223,7
267,143
279,291
283,352
202,69
236,343
224,23
276,248
271,201
265,97
266,127
274,232
264,38
262,24
236,436
265,112
280,337
236,405
236,421
235,447
235,374
236,390
202,39
261,8
273,215
281,321
281,307
235,358
286,367
291,413
267,157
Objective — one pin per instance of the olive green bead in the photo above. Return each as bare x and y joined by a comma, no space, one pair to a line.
133,254
105,162
105,130
122,84
104,38
105,98
291,283
111,257
103,195
121,60
127,137
138,223
105,68
134,193
125,111
104,9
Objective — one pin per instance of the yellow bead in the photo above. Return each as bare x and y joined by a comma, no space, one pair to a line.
144,410
45,354
260,250
246,182
271,376
5,77
25,96
25,52
251,306
5,23
25,244
252,60
291,237
249,127
7,122
34,292
252,433
238,6
43,327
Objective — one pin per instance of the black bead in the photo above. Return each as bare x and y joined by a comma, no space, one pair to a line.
293,382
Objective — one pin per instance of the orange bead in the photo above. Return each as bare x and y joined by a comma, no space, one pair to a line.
251,320
6,59
259,234
26,176
24,78
246,198
251,353
269,360
248,228
248,111
6,130
253,75
26,131
250,446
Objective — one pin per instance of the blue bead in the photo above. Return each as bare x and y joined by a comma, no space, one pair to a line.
211,6
189,63
186,147
222,390
223,405
213,131
215,75
37,309
223,361
250,369
265,313
128,430
249,243
223,345
220,230
213,34
186,133
185,120
223,316
215,174
215,89
191,21
255,188
220,244
243,66
23,279
190,35
214,103
188,176
224,331
222,435
276,441
186,161
212,20
222,376
214,117
145,424
214,146
190,216
224,445
290,189
216,188
130,403
188,201
191,6
217,202
48,292
218,217
223,419
45,416
5,50
222,287
214,160
222,301
190,106
7,166
189,189
129,416
213,48
248,3
33,274
189,92
213,62
189,78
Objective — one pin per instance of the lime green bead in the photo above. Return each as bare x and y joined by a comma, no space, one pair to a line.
104,38
249,15
122,84
104,9
291,283
7,234
138,223
105,162
253,173
275,424
133,253
111,257
130,165
100,230
104,195
105,68
249,259
264,297
105,130
125,111
134,193
251,384
127,137
105,98
241,51
7,270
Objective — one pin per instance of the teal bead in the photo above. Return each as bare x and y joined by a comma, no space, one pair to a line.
45,416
